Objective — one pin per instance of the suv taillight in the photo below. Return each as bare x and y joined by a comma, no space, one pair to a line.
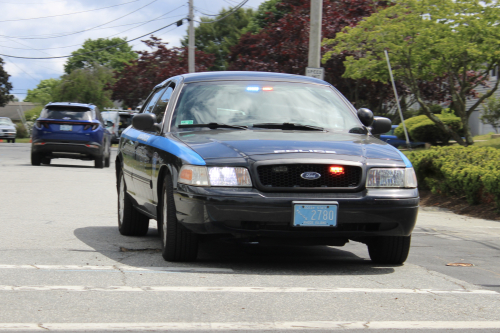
94,126
41,124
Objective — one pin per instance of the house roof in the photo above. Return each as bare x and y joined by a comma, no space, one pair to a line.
11,109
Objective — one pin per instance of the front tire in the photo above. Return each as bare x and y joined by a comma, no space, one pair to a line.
178,243
131,222
390,250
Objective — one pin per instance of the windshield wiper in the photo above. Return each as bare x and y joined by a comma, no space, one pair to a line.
289,126
213,126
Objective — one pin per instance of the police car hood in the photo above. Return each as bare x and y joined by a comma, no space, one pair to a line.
264,144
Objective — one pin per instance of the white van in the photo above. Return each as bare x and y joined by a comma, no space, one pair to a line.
112,121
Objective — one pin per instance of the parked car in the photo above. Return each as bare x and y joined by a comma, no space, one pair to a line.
70,130
112,122
125,120
7,129
393,140
263,157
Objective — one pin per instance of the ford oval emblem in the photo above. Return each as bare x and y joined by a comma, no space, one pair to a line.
310,175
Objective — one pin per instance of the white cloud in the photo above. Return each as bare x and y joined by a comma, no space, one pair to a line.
14,35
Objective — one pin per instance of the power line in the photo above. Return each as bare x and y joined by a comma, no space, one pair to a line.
97,26
105,48
63,47
85,11
228,14
31,3
233,2
23,71
103,28
199,11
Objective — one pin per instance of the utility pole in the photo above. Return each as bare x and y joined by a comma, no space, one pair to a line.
191,39
397,99
314,68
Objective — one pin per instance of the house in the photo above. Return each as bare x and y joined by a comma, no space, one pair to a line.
12,109
476,125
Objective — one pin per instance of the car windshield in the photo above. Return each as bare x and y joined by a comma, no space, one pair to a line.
109,116
253,103
66,113
6,121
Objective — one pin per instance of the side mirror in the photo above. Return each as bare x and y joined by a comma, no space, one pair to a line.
381,125
145,122
365,116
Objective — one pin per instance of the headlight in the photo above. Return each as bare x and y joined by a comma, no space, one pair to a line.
391,178
214,176
227,176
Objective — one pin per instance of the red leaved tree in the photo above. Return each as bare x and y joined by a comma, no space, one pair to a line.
135,82
282,46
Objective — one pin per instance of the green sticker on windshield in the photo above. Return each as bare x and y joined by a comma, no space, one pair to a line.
186,122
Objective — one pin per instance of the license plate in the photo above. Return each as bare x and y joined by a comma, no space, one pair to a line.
66,127
315,214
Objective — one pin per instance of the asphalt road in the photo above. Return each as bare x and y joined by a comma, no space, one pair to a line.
64,267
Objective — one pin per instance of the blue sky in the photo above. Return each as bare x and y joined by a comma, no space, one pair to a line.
54,28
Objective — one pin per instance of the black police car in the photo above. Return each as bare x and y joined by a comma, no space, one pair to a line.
263,157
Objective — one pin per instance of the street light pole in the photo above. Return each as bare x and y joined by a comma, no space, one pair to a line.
191,39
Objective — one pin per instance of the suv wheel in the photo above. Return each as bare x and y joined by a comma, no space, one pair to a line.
46,160
178,243
99,162
391,250
36,159
130,221
107,159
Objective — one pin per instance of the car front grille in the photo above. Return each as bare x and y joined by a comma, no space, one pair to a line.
289,176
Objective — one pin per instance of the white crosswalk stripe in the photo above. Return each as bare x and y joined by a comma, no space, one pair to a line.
245,290
118,268
253,326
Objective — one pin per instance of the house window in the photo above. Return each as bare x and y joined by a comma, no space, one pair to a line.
494,71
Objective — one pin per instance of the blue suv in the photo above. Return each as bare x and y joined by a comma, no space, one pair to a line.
393,140
70,130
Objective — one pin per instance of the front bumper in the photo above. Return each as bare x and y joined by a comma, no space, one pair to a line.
7,135
67,149
249,212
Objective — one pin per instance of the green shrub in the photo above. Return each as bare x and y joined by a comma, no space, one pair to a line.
471,171
34,113
21,131
428,131
435,108
421,128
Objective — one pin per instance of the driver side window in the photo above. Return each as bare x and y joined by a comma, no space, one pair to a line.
161,105
148,108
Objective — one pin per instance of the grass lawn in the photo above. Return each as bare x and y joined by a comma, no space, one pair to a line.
25,140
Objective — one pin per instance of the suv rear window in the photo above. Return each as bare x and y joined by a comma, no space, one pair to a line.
66,113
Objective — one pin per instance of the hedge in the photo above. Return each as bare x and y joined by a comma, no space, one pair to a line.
457,170
421,128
